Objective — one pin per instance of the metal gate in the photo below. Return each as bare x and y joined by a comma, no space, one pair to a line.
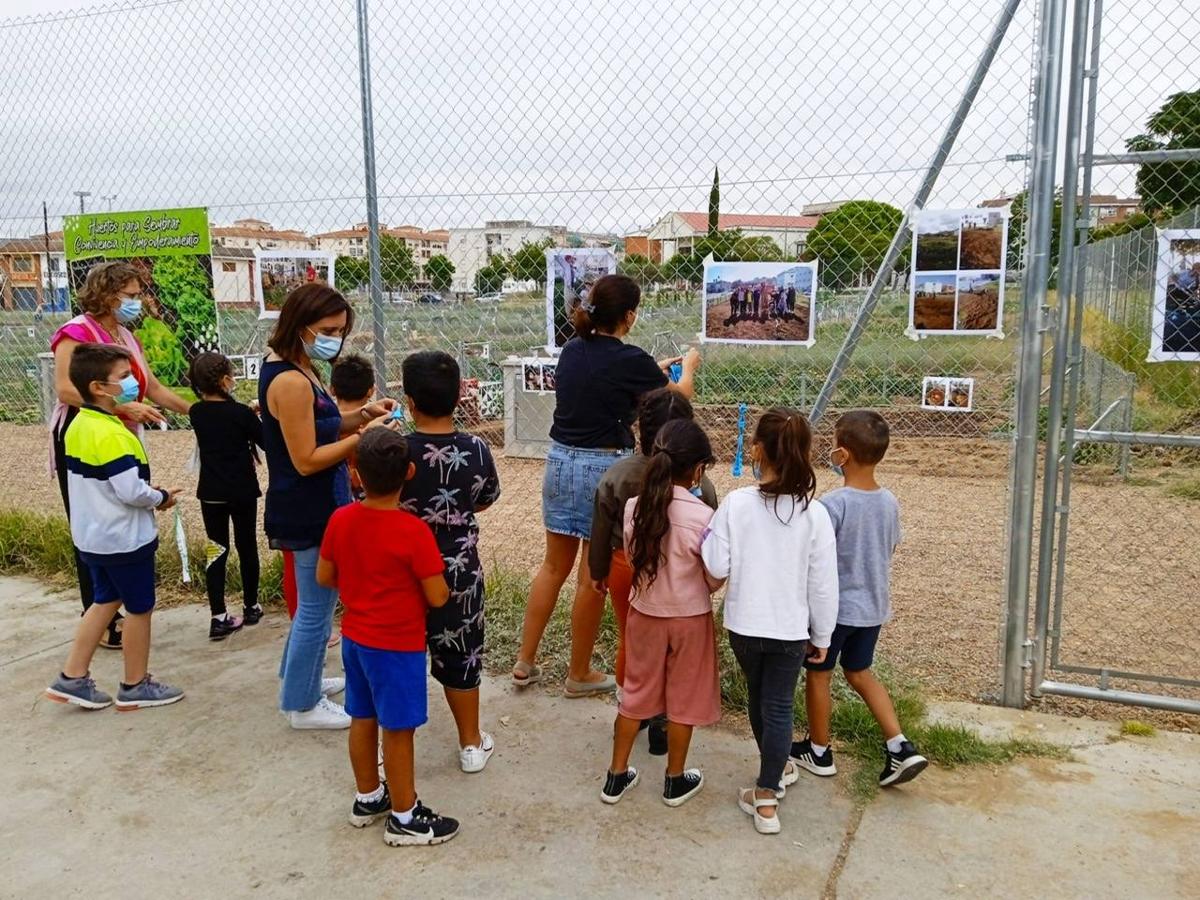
1116,612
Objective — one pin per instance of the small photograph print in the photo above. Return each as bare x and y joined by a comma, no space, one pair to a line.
570,274
934,392
1175,317
759,302
962,394
933,301
282,271
943,394
937,240
537,376
978,301
981,241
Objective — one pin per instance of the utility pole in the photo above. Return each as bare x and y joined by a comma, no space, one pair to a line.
81,195
109,198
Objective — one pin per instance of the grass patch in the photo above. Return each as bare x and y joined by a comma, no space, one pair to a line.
1134,728
1188,490
854,729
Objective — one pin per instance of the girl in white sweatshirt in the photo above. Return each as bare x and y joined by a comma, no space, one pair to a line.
776,547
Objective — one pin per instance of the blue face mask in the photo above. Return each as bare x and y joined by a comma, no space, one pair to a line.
696,491
324,347
756,470
836,468
130,309
129,389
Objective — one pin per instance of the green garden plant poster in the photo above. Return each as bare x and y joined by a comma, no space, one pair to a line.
173,250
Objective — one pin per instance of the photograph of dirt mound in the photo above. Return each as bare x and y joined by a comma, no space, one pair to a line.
981,248
978,302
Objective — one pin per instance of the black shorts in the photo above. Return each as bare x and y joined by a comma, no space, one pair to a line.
855,644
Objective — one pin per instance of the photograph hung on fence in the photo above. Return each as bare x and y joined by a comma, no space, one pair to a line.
759,302
282,271
1175,312
940,393
171,249
537,376
958,267
570,273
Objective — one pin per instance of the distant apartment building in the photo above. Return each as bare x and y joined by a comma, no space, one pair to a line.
1105,209
29,277
678,232
257,234
353,242
472,248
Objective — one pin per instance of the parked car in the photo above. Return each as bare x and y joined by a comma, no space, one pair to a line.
488,298
429,298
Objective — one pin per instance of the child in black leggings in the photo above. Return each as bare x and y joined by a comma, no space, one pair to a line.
227,433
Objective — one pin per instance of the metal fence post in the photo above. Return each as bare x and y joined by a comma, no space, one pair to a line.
1070,232
368,136
1029,372
903,231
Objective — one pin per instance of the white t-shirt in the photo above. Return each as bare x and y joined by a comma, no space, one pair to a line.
781,562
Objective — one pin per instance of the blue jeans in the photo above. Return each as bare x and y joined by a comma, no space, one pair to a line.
772,669
569,487
304,652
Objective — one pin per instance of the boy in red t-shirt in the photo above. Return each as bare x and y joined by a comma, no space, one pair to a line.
386,566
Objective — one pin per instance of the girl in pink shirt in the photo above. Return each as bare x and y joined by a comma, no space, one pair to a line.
670,644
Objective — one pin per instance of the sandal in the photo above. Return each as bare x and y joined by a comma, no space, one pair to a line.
791,774
750,804
525,674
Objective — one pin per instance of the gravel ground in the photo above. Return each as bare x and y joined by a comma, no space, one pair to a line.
1133,573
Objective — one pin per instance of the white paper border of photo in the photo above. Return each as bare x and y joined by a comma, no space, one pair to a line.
970,382
259,255
1158,308
551,253
779,267
917,334
944,381
535,362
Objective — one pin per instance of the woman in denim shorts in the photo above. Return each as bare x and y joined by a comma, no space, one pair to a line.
599,380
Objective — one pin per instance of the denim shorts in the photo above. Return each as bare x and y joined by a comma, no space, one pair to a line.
569,487
386,685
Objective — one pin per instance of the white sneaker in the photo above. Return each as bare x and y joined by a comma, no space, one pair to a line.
325,715
473,759
331,686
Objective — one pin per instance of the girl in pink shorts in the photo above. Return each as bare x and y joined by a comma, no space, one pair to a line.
670,645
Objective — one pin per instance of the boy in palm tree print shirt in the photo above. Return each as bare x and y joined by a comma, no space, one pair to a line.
455,479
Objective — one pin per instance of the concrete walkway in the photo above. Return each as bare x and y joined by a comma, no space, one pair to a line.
216,797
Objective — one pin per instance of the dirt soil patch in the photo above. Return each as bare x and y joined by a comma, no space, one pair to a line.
792,327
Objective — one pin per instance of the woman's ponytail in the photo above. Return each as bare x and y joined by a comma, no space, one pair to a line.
607,303
680,446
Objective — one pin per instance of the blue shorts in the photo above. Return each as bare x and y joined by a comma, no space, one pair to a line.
387,685
569,487
855,644
132,583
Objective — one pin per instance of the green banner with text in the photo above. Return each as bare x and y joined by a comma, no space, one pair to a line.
170,249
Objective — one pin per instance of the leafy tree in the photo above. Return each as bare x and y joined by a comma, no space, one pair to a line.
396,266
714,204
528,262
725,246
1016,231
1171,187
440,272
755,249
641,269
489,279
352,272
1135,222
850,242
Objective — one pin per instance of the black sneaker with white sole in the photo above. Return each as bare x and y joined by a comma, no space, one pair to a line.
902,766
679,789
363,814
803,756
617,783
426,827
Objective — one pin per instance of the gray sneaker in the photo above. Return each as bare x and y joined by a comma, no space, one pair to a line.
80,691
147,692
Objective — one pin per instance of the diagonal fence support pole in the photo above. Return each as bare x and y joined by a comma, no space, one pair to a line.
1023,485
903,231
368,136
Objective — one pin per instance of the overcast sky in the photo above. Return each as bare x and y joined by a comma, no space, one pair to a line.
594,115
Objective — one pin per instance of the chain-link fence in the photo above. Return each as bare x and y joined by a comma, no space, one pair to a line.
502,130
